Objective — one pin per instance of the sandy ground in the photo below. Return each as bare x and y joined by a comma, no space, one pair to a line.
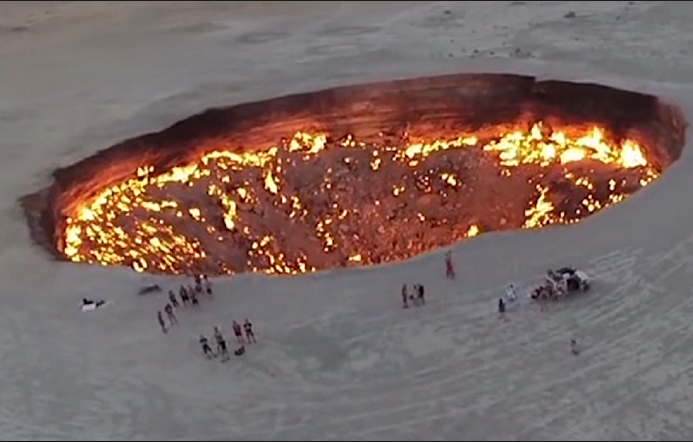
338,357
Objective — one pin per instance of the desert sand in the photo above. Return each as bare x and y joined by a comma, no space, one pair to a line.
338,359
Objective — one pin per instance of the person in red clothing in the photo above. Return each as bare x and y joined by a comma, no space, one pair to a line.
238,332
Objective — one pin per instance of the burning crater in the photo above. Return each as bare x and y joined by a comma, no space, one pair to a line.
356,175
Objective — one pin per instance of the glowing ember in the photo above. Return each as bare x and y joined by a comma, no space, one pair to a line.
224,197
430,161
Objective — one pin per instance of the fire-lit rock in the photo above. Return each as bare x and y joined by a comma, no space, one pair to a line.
356,175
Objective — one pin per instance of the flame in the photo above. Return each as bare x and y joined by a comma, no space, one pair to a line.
518,148
135,222
473,231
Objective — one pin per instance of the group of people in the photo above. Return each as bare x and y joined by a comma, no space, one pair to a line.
189,296
222,349
511,296
544,291
416,297
548,291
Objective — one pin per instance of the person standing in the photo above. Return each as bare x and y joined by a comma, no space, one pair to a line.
162,324
449,266
249,333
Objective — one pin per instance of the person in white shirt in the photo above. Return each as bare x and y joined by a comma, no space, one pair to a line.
510,293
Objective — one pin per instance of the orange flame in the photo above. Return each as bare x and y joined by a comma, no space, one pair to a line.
124,224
